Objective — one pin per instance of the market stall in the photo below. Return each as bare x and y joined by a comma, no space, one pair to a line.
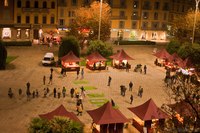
120,60
70,62
95,61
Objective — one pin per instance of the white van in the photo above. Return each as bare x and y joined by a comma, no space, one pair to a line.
48,59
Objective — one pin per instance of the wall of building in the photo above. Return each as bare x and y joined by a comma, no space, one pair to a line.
128,17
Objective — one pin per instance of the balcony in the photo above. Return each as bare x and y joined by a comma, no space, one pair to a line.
135,17
118,17
119,6
38,10
22,26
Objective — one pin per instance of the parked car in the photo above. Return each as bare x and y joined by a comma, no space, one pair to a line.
48,59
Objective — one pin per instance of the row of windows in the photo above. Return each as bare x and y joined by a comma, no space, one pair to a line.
36,19
154,25
36,4
145,15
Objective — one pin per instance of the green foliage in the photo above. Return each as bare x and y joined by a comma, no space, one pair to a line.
69,44
88,18
127,42
56,125
173,46
185,50
18,43
3,56
10,59
39,125
103,48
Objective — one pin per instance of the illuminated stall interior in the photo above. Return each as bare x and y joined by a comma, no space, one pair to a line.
120,60
70,62
95,61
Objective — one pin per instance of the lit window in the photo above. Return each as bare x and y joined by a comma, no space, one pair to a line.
5,2
6,33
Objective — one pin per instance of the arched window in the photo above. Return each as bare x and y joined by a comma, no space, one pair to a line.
19,4
27,4
53,5
44,4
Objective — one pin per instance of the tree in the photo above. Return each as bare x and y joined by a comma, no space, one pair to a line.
173,46
3,56
182,26
104,49
56,125
39,125
88,18
69,44
185,112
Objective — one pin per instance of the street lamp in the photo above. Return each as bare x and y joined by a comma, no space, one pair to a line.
195,19
100,20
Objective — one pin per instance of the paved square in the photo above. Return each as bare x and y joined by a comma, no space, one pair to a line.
16,113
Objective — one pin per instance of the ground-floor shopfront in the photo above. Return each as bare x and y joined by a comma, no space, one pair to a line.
130,34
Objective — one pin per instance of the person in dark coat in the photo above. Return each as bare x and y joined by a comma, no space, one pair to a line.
131,98
77,73
145,69
109,80
54,92
130,86
44,79
72,92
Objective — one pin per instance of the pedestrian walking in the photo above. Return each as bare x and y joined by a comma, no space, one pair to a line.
127,67
48,90
33,94
50,78
28,85
131,99
45,92
82,73
79,109
77,73
59,93
54,92
36,93
145,69
112,102
64,91
51,70
10,93
109,80
72,92
44,79
139,90
130,86
20,92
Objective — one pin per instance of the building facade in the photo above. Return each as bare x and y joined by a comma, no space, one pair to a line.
130,19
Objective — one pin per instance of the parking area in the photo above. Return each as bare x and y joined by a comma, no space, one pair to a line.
16,113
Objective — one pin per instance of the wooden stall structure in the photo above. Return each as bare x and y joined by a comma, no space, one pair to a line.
60,111
70,62
95,61
111,120
147,112
120,60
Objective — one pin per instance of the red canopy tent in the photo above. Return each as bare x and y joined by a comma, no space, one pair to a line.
69,61
121,55
95,59
120,59
174,58
185,63
60,111
105,115
148,111
162,54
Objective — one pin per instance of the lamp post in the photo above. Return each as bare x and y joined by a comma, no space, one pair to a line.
100,20
195,19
